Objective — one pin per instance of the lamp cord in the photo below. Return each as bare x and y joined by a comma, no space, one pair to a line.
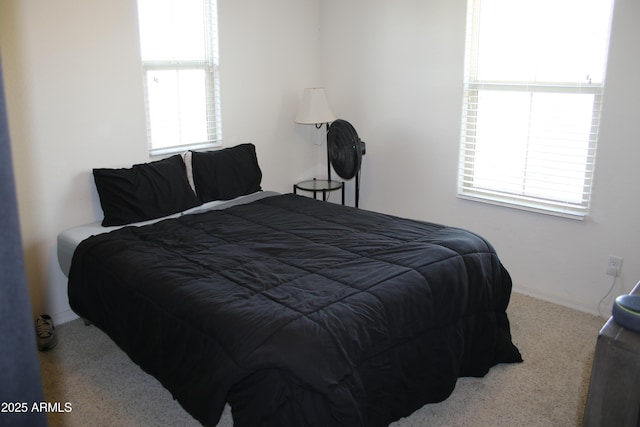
605,297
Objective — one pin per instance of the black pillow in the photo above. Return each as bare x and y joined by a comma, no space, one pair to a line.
145,191
227,173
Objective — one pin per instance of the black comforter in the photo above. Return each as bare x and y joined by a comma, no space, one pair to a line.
298,312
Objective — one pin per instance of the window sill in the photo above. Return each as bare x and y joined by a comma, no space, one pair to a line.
182,148
529,205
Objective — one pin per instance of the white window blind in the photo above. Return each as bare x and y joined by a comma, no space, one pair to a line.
533,89
179,47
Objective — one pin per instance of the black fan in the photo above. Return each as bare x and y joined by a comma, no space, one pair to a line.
345,151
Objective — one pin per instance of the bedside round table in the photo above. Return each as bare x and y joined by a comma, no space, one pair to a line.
319,185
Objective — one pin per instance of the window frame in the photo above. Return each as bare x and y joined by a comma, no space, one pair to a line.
210,66
473,87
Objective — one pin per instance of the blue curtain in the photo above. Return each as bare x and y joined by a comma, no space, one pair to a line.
20,380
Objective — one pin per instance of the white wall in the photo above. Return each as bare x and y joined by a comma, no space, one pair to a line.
74,96
394,69
72,89
269,53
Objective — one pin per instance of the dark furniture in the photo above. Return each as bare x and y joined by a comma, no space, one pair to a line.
614,388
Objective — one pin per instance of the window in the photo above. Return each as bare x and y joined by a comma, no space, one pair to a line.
178,43
533,89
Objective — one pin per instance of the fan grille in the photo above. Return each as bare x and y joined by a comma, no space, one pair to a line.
344,148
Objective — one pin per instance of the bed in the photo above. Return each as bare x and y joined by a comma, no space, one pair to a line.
291,310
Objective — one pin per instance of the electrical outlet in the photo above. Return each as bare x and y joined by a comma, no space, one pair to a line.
614,266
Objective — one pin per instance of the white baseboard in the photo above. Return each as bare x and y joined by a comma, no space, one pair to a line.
556,299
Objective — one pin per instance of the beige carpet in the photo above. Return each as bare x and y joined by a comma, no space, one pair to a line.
549,389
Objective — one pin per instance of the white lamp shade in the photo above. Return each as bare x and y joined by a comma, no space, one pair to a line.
314,108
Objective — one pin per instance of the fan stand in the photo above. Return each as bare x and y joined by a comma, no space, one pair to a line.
357,188
328,158
357,180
